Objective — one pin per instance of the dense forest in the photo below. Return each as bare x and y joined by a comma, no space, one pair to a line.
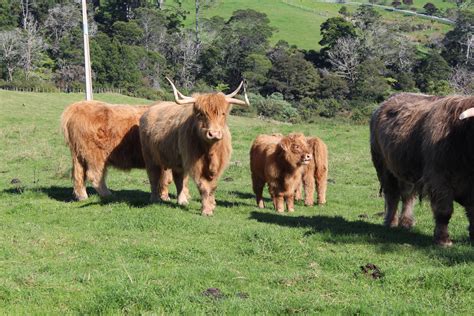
136,43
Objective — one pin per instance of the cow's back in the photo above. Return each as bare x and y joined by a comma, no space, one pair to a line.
96,130
396,130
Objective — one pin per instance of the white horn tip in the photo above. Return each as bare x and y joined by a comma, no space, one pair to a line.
462,116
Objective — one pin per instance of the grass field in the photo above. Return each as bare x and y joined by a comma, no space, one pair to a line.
124,255
298,21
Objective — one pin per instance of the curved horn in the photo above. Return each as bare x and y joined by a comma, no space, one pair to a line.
466,114
230,97
177,95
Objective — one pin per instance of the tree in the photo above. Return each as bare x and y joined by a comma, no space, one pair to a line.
10,51
127,32
431,70
335,28
462,81
152,22
344,11
371,84
291,74
366,17
32,45
459,43
344,57
60,22
430,8
258,66
408,2
396,4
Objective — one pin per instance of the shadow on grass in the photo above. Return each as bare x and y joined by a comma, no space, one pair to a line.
343,231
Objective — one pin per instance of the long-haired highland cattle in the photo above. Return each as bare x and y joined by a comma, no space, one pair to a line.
423,144
316,172
190,137
100,135
279,162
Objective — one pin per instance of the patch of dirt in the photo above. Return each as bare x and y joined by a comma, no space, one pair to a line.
363,216
372,270
380,214
332,181
242,295
228,179
214,292
15,181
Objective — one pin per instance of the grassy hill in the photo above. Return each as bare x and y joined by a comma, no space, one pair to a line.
298,21
124,255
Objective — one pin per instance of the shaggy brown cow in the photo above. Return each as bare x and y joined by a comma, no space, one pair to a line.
101,135
278,161
315,171
423,144
192,138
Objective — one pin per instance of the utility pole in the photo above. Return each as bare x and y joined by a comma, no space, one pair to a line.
87,59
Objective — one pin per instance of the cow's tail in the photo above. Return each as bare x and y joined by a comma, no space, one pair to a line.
65,120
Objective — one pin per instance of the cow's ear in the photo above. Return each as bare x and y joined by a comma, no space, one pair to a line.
285,143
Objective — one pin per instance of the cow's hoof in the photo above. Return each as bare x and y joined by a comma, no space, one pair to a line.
81,197
444,242
391,223
165,197
407,222
309,203
291,210
280,211
207,213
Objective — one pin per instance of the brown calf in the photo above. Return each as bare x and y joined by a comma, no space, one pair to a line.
315,171
278,161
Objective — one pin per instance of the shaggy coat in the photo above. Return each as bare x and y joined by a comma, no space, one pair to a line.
278,161
190,139
419,144
315,172
101,135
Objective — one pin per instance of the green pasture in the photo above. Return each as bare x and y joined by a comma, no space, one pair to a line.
298,21
126,256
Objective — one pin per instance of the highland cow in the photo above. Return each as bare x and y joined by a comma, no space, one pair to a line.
315,172
422,144
100,135
278,161
190,137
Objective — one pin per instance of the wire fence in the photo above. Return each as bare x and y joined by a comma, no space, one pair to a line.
62,90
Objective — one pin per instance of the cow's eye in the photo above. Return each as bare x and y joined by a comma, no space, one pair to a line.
297,147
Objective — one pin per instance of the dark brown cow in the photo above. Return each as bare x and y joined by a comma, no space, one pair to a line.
190,137
278,161
101,135
423,144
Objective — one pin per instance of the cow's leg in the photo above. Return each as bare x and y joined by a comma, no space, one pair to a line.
180,188
392,197
165,180
79,178
186,187
308,184
321,176
407,218
290,203
442,210
154,176
278,202
96,173
298,193
470,216
207,188
258,185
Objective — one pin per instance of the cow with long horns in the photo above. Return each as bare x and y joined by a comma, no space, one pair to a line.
190,137
423,144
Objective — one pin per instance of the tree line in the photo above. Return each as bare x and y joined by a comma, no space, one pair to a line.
136,43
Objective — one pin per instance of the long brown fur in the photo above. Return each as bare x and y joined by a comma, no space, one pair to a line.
175,137
279,162
419,145
316,172
100,135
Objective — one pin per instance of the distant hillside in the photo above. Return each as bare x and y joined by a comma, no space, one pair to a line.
298,21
